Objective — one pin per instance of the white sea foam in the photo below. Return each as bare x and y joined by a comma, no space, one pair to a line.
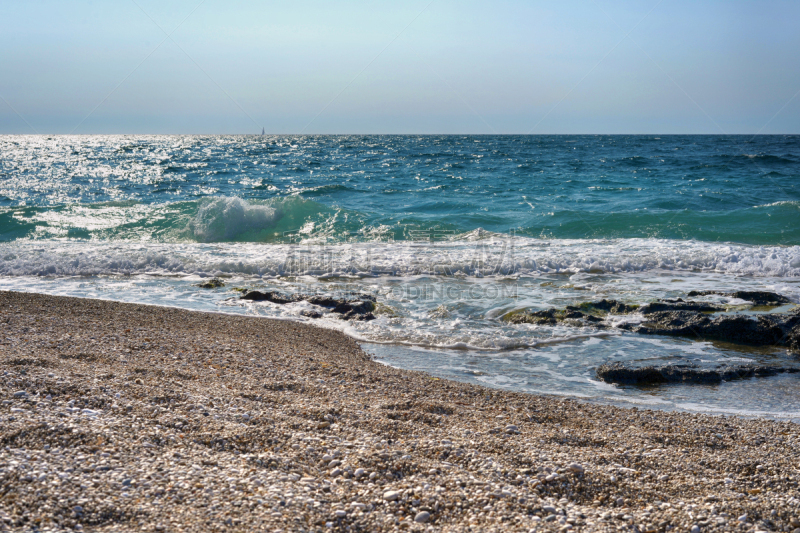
793,203
495,258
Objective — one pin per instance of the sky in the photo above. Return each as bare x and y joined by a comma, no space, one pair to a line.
418,66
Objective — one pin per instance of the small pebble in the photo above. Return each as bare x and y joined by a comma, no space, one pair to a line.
392,495
575,467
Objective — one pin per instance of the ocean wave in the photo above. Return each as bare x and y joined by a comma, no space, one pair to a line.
764,158
321,190
211,219
496,257
783,203
297,219
225,219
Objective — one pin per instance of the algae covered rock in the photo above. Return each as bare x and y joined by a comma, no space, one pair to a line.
587,313
551,317
608,307
214,283
682,318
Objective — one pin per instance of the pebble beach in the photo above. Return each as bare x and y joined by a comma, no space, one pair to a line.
125,417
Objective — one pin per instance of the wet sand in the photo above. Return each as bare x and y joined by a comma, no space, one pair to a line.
120,417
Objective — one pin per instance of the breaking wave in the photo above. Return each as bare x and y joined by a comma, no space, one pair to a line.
495,256
295,219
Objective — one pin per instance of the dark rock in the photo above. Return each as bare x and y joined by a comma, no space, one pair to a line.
754,330
270,296
619,373
793,339
552,317
757,297
354,309
679,305
331,303
359,307
531,317
214,283
682,319
324,301
593,312
585,313
364,317
608,307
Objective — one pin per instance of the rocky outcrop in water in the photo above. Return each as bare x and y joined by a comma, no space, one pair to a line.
679,305
607,307
682,318
619,373
595,312
551,317
587,313
793,342
214,283
756,297
358,308
271,296
753,330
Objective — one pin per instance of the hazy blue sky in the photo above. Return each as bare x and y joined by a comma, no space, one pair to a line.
418,66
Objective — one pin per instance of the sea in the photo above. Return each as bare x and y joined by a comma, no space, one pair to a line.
448,232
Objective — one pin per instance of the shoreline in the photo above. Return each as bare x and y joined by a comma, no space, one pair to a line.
163,419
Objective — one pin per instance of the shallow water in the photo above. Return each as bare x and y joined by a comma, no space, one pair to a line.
449,233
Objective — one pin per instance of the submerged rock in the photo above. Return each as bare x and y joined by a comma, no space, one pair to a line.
617,372
330,302
270,296
754,330
359,308
551,317
585,313
682,318
356,309
608,307
324,301
756,297
679,305
793,341
214,283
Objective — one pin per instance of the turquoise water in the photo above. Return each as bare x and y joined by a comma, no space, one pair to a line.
449,232
165,188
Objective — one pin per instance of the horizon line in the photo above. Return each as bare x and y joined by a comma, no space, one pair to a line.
266,134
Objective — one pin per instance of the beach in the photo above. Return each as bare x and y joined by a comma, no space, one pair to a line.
449,235
120,417
405,267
